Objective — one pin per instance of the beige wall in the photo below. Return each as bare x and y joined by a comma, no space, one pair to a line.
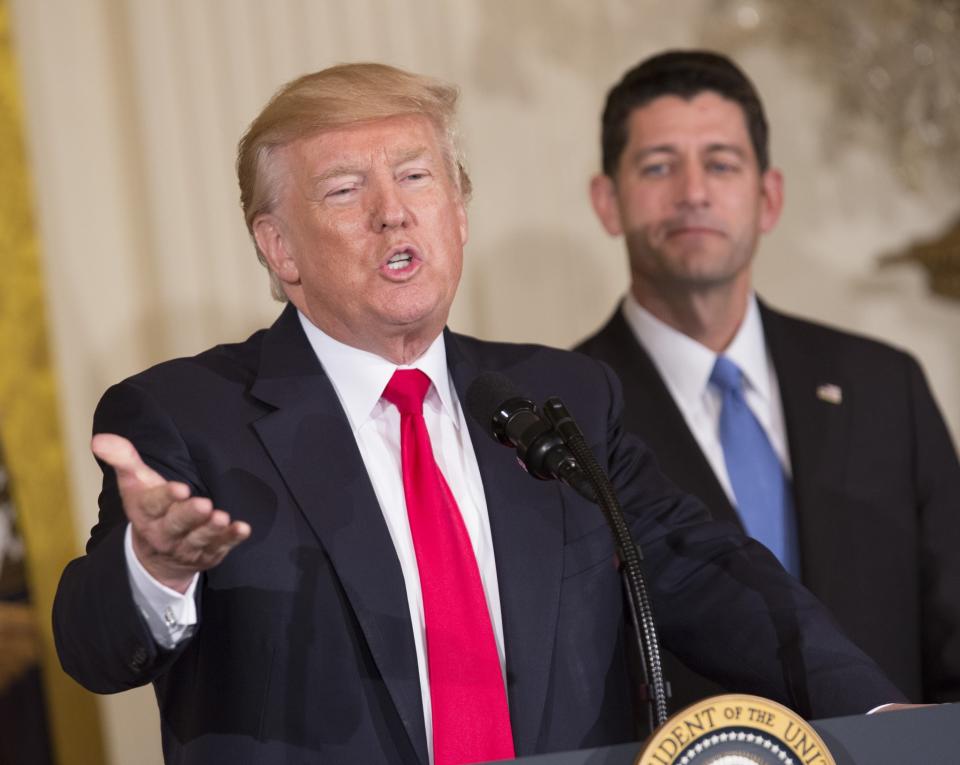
134,108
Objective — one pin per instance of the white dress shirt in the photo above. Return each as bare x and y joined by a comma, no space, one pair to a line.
359,378
685,366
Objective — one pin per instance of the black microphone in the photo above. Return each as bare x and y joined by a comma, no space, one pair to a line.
546,446
513,420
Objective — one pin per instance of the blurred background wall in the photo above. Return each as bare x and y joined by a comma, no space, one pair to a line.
133,109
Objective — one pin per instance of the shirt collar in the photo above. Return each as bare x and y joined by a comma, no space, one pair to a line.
685,364
748,350
359,377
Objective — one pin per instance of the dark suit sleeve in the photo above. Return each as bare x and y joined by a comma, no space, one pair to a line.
723,603
102,640
938,496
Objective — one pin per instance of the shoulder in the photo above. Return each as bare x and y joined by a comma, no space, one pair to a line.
524,358
609,340
539,371
787,333
195,382
229,363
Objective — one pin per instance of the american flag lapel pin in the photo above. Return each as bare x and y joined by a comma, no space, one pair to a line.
832,394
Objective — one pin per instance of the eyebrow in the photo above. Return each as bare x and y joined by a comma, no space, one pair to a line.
336,171
410,154
666,148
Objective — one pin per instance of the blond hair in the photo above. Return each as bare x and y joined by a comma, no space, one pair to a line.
333,98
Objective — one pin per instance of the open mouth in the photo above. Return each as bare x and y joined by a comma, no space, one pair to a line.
400,260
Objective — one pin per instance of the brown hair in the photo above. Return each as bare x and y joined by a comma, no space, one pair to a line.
335,97
683,73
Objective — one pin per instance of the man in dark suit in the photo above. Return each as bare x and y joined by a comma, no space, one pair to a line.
315,640
872,509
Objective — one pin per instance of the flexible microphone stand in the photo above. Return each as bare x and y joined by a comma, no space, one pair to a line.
653,688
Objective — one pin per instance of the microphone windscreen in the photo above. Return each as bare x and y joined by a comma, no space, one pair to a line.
486,395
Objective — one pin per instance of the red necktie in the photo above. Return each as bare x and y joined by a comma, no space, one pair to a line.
471,722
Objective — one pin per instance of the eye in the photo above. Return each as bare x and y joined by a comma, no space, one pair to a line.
722,167
655,169
414,176
341,192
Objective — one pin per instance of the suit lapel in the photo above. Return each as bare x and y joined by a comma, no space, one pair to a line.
527,527
652,414
817,425
311,444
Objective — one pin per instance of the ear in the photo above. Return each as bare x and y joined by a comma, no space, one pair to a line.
269,234
462,222
603,195
771,192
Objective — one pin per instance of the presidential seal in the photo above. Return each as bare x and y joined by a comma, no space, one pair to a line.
735,730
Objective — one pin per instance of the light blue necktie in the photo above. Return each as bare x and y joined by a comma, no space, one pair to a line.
762,489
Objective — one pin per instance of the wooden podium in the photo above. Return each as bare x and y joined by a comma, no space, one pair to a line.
927,736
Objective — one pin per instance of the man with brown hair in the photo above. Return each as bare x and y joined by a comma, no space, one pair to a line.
403,592
826,447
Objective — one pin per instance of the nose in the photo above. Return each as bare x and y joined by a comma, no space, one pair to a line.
389,210
692,186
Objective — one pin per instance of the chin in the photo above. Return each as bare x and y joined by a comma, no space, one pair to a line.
411,322
413,312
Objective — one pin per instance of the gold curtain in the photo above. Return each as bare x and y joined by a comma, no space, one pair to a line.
29,427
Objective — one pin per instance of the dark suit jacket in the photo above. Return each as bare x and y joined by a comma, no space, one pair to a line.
304,648
876,487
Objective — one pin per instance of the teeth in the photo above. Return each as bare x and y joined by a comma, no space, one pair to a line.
398,261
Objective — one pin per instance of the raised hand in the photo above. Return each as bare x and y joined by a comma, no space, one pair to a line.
174,535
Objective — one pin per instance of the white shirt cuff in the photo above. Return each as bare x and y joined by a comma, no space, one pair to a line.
171,616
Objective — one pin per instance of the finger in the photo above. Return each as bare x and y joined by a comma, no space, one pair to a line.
241,530
233,535
183,517
120,454
209,544
218,531
163,536
156,501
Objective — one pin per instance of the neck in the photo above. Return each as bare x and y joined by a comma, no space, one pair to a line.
398,344
710,316
403,350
